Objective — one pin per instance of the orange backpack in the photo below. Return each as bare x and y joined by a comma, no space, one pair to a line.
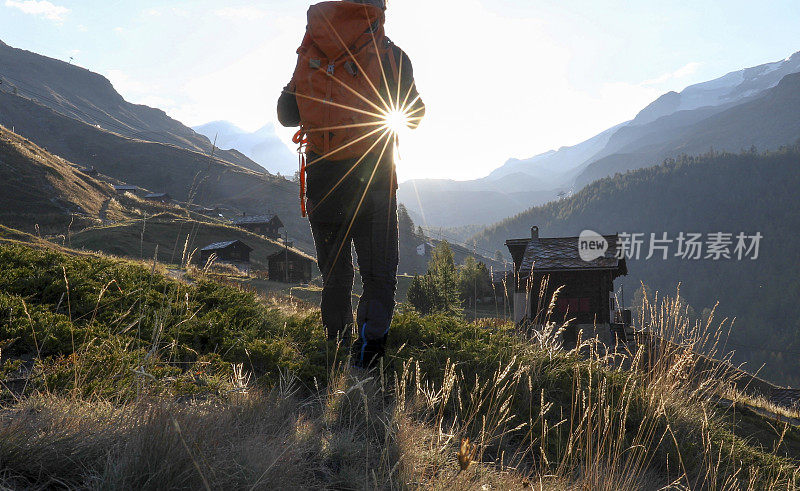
338,79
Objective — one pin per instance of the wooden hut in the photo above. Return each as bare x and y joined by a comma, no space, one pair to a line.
267,225
290,266
159,197
122,189
587,287
232,251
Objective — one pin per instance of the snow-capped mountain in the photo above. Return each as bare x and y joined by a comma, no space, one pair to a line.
264,146
670,125
730,88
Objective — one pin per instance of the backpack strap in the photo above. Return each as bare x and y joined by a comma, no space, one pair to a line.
393,61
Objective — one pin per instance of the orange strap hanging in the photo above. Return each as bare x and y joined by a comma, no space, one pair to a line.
301,140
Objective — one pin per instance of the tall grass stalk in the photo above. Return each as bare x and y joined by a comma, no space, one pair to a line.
454,407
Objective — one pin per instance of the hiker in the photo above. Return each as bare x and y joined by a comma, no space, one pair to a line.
348,81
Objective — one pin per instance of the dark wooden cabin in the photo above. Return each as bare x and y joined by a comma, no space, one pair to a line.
290,266
159,197
267,225
232,251
588,287
122,189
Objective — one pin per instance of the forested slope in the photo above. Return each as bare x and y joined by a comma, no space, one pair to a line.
730,193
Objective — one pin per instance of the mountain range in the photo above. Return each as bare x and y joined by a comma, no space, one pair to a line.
263,146
729,113
77,115
83,127
187,176
89,97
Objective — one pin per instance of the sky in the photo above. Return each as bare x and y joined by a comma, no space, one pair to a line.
500,78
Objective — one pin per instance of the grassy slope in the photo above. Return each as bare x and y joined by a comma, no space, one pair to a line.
170,235
37,187
111,333
185,175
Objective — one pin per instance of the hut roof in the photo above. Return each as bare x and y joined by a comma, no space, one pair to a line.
257,219
561,253
218,246
293,252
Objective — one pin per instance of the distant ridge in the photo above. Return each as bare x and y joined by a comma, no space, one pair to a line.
667,127
186,175
263,146
766,122
90,97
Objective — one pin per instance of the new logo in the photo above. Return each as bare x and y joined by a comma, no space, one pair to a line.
591,245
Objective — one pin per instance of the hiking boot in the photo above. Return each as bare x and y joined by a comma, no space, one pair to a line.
368,353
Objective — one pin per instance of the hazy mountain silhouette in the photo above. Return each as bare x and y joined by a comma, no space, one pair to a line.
263,146
90,97
675,123
730,88
765,121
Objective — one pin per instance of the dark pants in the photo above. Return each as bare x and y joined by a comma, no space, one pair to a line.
375,236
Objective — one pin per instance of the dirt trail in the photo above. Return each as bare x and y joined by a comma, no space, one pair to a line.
104,210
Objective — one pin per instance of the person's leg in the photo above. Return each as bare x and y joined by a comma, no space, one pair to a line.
337,278
376,242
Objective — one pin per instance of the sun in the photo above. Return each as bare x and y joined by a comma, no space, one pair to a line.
395,120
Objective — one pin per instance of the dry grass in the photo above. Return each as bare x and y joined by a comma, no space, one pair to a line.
376,430
458,406
348,436
760,402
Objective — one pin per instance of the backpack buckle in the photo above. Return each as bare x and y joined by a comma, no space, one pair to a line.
351,68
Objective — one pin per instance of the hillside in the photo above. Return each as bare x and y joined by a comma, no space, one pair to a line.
767,121
729,193
139,378
40,189
90,97
138,239
186,175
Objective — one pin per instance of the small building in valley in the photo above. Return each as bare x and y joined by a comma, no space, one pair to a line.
587,287
290,266
124,188
209,211
267,225
159,197
233,251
